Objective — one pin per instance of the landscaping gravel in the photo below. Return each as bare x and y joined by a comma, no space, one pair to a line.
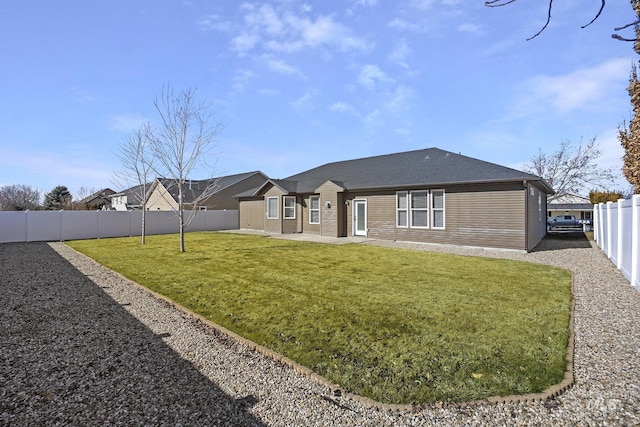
80,345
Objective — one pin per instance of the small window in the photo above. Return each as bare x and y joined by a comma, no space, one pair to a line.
314,210
272,207
437,208
289,207
402,213
540,207
419,209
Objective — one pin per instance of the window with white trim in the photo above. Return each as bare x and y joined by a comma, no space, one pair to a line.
437,209
314,210
402,212
419,209
289,207
272,207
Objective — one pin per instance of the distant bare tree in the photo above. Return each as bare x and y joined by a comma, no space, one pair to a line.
184,142
19,198
137,158
571,169
86,192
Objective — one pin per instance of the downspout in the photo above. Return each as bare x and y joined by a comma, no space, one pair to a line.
526,215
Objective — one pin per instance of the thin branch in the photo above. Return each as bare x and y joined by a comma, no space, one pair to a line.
602,5
619,37
496,3
627,26
546,23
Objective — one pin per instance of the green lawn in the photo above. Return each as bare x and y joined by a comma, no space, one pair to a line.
395,325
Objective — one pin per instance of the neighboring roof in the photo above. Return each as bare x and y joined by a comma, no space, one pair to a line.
135,195
571,199
193,189
426,167
105,193
570,207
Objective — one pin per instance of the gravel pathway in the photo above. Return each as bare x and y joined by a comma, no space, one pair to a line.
80,345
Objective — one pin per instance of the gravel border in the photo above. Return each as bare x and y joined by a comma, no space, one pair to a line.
82,346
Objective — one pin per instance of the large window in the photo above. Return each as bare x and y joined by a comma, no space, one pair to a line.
437,208
289,207
314,209
420,209
272,207
402,213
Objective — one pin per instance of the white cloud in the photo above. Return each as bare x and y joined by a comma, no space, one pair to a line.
286,28
366,2
374,119
215,22
125,122
400,53
582,89
281,67
402,25
305,102
244,42
269,92
399,100
470,28
371,76
342,107
241,79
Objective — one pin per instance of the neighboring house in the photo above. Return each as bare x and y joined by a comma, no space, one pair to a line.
129,199
98,200
571,204
428,195
163,192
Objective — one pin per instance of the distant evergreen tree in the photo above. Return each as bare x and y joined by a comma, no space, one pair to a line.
58,198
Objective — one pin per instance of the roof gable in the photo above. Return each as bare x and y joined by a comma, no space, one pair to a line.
193,189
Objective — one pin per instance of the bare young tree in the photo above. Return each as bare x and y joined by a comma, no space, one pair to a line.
19,198
137,159
183,143
571,169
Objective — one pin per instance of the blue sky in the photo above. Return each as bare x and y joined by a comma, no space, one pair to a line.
301,83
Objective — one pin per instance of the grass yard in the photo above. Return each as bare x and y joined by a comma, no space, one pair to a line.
395,325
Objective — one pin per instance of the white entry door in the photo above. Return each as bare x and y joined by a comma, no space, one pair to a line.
359,217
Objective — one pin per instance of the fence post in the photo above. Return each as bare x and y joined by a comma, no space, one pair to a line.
619,233
635,241
596,221
601,226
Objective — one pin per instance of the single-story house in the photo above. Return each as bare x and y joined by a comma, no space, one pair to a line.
99,200
163,192
129,199
571,204
429,195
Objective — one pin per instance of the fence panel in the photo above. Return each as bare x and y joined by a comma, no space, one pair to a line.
13,227
43,226
625,245
618,235
612,232
69,225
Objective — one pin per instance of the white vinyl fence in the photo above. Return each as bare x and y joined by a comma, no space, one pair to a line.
617,232
32,226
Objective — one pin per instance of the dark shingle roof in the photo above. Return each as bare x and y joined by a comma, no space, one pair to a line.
426,167
192,189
